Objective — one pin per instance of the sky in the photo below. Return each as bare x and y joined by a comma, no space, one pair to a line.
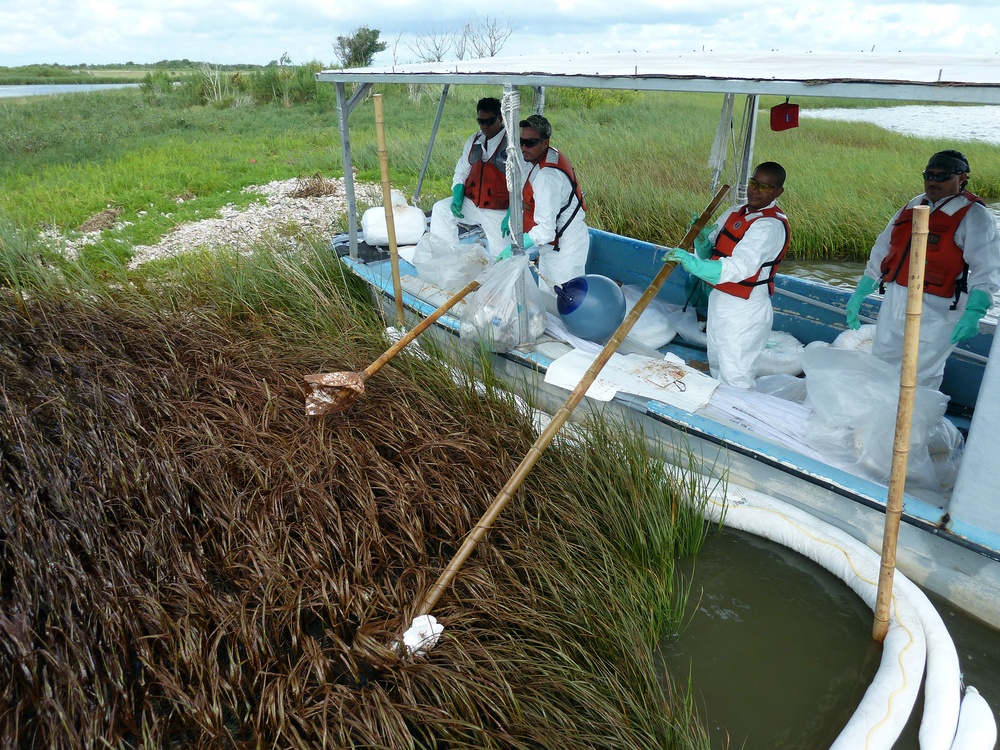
222,32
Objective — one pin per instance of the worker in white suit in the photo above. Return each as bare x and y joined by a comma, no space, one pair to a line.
479,185
961,273
740,261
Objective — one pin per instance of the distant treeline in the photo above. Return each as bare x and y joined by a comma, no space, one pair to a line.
84,73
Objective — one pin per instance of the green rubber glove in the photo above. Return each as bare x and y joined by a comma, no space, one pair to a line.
707,270
505,225
703,246
968,325
457,197
866,285
528,243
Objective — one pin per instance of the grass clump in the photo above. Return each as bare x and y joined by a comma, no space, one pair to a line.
190,561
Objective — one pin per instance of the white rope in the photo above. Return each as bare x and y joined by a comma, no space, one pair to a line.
510,108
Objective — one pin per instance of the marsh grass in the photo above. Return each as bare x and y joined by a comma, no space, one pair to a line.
190,561
641,159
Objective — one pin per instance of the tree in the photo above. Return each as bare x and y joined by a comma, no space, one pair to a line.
359,48
433,46
487,35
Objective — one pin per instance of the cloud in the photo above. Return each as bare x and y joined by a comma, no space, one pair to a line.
253,31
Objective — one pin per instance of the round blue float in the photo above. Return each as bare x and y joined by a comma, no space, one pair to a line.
591,306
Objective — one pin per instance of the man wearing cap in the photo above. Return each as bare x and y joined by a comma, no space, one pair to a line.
961,274
554,209
479,185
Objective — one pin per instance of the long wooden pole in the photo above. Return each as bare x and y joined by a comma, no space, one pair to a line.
560,418
390,224
904,417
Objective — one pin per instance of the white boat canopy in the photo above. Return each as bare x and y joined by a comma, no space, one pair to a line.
951,79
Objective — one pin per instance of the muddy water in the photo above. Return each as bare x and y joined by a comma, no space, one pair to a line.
780,653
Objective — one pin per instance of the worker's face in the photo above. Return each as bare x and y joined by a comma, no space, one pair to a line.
939,183
489,122
533,146
761,190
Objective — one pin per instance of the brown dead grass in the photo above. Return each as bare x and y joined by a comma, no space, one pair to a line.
315,187
103,220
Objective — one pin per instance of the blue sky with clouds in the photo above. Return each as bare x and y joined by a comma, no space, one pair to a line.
250,31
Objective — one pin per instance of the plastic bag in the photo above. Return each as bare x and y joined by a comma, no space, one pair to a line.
450,266
782,355
783,386
508,309
860,339
853,397
654,328
408,222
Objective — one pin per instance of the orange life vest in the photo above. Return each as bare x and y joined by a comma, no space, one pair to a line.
945,269
486,185
733,231
556,160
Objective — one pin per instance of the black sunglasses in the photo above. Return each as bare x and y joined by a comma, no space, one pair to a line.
938,176
487,121
531,142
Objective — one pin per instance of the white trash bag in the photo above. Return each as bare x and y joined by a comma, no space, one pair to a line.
408,222
655,327
782,355
494,313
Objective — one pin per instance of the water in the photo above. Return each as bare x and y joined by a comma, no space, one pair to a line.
43,89
924,120
780,652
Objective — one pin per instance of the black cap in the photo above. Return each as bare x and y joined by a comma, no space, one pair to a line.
950,160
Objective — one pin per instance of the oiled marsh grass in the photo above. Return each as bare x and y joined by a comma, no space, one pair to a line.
190,561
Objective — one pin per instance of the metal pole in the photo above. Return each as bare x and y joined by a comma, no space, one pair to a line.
430,146
343,113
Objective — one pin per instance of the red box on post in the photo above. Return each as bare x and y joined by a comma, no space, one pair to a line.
784,116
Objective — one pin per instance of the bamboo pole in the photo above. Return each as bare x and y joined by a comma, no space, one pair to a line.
904,416
390,224
535,452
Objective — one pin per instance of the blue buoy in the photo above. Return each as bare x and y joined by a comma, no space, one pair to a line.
591,306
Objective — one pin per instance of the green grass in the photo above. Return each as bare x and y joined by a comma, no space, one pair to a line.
641,159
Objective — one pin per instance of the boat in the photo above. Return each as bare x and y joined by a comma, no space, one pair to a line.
948,544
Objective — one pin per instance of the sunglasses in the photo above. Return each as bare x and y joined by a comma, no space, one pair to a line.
938,176
487,121
531,142
762,186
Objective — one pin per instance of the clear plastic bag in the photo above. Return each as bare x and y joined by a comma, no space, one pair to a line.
853,396
508,309
449,266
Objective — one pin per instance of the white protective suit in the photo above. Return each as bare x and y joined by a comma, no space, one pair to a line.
445,224
737,328
978,237
552,190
